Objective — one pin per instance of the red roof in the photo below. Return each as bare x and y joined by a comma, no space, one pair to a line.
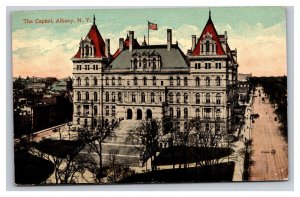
126,46
209,28
96,39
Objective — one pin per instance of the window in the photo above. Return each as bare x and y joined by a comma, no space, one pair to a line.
218,98
107,96
87,96
171,112
197,81
78,110
145,81
185,97
185,81
144,63
218,114
152,97
119,96
218,128
78,120
113,97
154,63
178,97
95,81
143,97
78,96
207,113
207,81
95,110
185,112
197,113
78,67
161,83
171,98
135,82
113,110
218,65
87,81
207,98
185,125
218,81
95,96
178,81
178,113
197,66
133,98
171,81
107,81
113,81
79,81
120,81
206,127
207,65
197,98
154,81
107,110
87,67
135,63
207,46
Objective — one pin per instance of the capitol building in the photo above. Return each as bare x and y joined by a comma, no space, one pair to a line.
140,81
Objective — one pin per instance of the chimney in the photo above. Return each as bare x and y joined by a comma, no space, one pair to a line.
121,43
193,42
131,37
107,47
225,33
169,39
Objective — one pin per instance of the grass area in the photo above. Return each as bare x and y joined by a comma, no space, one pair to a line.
216,173
59,148
181,155
30,169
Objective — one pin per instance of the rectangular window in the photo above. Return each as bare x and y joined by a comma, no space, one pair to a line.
161,83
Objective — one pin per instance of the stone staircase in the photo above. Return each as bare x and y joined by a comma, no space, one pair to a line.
128,154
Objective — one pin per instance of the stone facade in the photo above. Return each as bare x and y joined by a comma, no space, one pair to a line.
156,81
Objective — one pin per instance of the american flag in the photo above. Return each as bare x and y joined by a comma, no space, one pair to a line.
152,26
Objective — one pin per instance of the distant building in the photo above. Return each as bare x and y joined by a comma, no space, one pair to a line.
244,77
155,81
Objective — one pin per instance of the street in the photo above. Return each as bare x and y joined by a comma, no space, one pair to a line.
270,150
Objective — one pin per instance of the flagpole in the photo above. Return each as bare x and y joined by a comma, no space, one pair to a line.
148,33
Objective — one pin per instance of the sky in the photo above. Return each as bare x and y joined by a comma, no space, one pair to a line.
258,33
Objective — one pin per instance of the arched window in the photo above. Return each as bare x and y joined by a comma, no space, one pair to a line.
134,63
107,96
107,81
145,81
171,81
113,97
207,46
86,51
144,63
178,81
207,98
78,109
218,98
154,63
113,110
95,96
87,96
152,96
95,81
143,97
113,81
154,81
178,113
207,81
197,98
87,81
120,81
120,96
171,97
185,81
171,112
135,81
197,81
133,98
218,81
78,96
79,81
178,97
186,97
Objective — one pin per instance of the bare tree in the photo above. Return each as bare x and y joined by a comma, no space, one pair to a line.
146,138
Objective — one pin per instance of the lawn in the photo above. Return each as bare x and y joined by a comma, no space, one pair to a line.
30,169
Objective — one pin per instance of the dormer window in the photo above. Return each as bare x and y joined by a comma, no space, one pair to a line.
87,48
207,46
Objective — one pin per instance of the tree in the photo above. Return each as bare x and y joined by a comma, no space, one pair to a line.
94,139
146,138
65,157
